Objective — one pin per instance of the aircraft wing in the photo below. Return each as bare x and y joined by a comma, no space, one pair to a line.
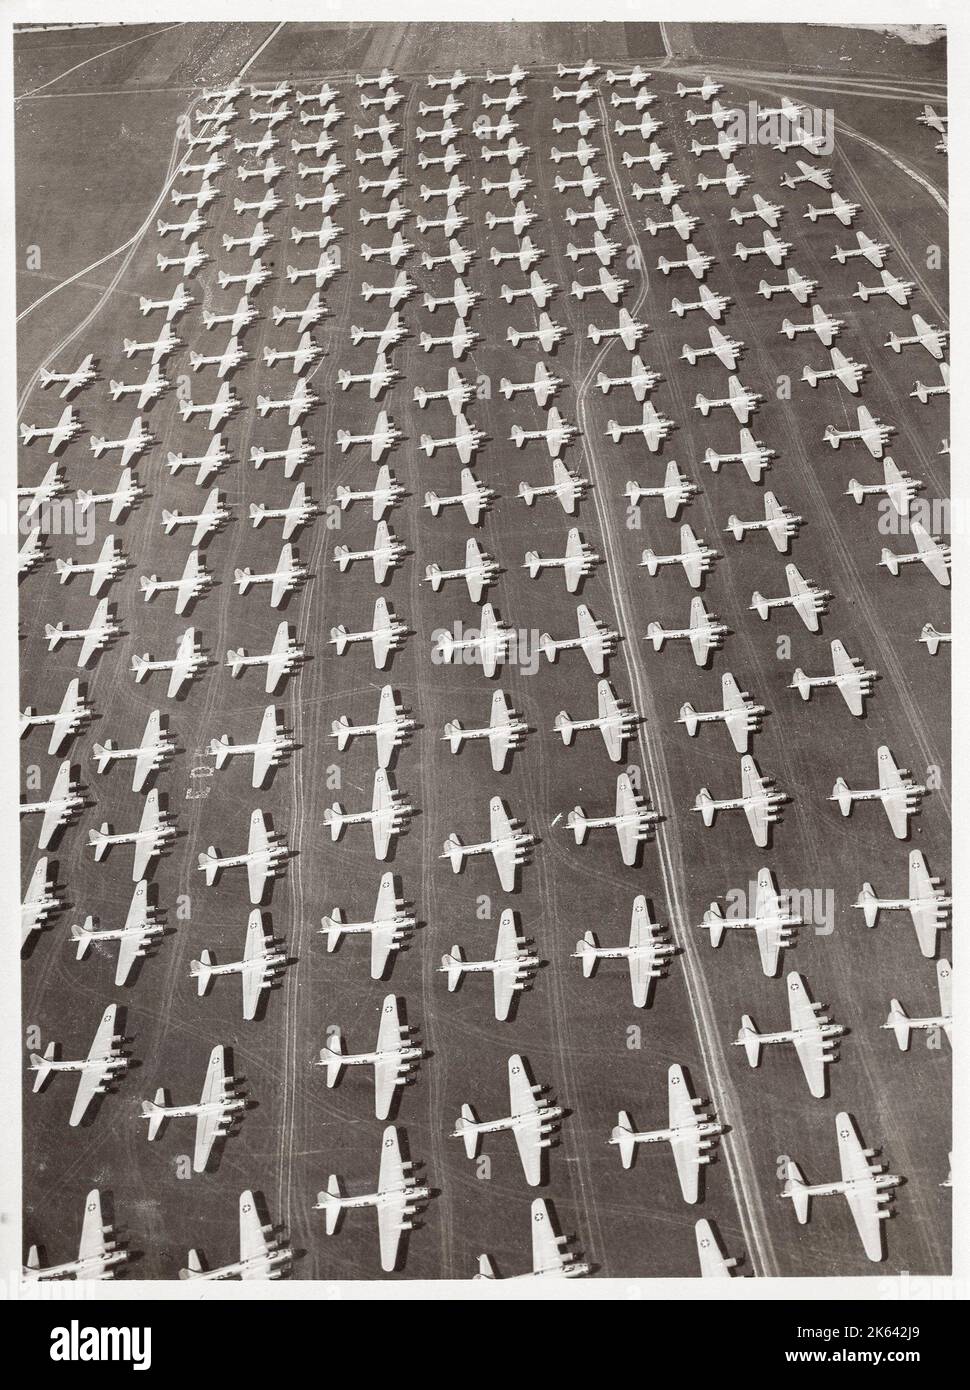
134,935
627,829
382,820
381,634
503,851
254,967
94,1075
809,1045
252,1240
386,726
641,934
612,727
283,579
149,825
713,1263
279,655
183,663
547,1255
504,977
691,560
208,1122
926,913
56,815
686,1146
265,745
930,553
93,635
387,1067
753,790
768,906
185,592
528,1130
863,1199
499,740
66,715
700,635
147,753
92,1245
845,668
257,866
391,1185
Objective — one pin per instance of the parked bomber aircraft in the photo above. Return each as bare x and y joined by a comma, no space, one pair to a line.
512,967
691,1133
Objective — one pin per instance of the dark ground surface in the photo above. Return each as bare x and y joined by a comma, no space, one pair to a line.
105,159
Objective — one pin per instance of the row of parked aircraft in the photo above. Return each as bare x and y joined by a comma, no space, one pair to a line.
532,1120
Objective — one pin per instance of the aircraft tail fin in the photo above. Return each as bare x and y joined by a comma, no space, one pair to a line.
209,864
564,725
455,852
714,922
841,794
586,950
331,1203
705,804
41,1064
193,1266
899,1022
796,1189
486,1270
333,926
83,935
154,1112
869,904
467,1127
622,1135
688,717
201,970
452,963
750,1040
331,1056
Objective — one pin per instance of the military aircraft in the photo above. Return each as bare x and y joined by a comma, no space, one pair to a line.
925,902
616,721
691,1132
632,820
505,732
97,1070
532,1120
388,928
98,1253
740,714
853,682
512,967
899,794
509,845
388,815
59,807
813,1035
135,938
759,801
263,960
215,1113
397,1198
155,829
263,1254
867,1188
263,858
648,954
394,1058
705,632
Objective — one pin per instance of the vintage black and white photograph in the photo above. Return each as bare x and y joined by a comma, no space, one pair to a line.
483,519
